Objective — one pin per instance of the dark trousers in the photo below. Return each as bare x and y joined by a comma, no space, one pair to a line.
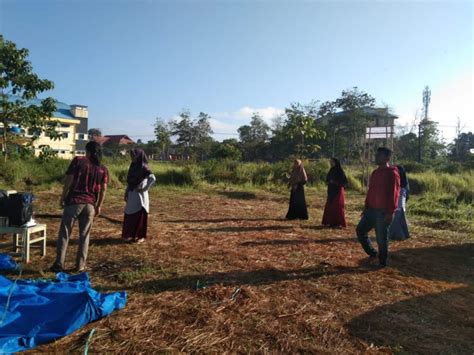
374,218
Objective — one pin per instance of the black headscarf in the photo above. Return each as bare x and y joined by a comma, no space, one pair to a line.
139,168
95,152
403,176
403,180
337,175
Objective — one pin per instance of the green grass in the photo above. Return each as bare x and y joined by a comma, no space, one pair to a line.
434,182
442,211
437,199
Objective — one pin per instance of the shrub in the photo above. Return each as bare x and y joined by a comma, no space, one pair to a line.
440,183
354,184
413,166
21,173
450,168
466,196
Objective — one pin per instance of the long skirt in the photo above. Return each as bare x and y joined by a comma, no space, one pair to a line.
297,209
334,212
135,225
399,228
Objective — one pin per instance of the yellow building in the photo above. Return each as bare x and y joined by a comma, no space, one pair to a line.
73,128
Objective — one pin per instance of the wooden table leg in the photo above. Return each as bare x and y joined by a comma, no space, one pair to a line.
15,243
26,243
43,249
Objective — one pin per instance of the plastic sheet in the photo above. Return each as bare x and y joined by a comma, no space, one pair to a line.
38,312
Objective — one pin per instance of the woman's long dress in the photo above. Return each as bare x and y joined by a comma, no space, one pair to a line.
399,228
334,211
297,209
135,221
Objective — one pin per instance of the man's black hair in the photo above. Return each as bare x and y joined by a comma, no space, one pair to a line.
95,151
385,151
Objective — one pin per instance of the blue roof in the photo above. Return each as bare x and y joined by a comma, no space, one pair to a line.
63,110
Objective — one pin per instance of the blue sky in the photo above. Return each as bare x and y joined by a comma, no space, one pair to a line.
131,61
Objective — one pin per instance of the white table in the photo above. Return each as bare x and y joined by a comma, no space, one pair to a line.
22,239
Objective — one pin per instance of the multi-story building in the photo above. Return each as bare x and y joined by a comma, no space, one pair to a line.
73,126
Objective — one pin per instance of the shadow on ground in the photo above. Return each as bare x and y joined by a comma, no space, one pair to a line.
238,195
238,278
222,220
277,242
238,229
451,263
441,323
444,319
59,216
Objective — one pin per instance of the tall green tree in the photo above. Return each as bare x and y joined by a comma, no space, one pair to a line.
430,143
202,127
193,136
345,120
183,130
254,136
203,141
302,128
406,147
18,86
256,132
462,147
353,99
162,136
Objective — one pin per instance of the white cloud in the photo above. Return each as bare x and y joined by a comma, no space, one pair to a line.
229,122
224,124
223,130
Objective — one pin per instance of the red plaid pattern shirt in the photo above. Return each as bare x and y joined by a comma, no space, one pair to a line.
87,181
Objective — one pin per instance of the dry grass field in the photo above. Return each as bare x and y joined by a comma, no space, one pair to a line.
222,271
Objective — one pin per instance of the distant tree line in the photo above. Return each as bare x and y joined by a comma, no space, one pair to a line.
314,130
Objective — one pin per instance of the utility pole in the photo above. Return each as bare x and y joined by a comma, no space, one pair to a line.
419,141
426,104
458,134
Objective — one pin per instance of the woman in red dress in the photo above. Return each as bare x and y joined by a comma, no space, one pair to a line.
334,214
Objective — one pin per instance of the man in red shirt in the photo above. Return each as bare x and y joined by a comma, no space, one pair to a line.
380,205
82,199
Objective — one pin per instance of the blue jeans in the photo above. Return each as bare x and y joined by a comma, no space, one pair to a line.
374,218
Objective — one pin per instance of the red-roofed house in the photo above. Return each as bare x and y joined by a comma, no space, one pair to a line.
120,139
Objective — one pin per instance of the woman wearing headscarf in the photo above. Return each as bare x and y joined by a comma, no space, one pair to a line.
298,178
139,180
334,213
399,228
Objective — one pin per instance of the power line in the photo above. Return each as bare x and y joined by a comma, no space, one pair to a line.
152,135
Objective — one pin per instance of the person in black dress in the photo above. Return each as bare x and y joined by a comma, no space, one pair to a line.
298,178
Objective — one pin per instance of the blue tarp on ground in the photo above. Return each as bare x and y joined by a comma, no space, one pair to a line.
7,263
42,311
